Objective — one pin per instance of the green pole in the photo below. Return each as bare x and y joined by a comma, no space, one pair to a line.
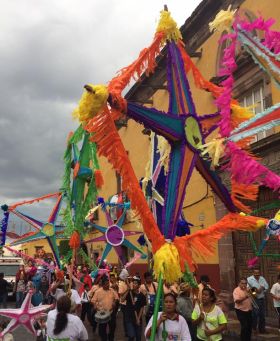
157,305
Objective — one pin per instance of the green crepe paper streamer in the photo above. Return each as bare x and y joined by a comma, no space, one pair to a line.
68,222
156,310
80,184
87,259
67,170
270,206
94,155
189,278
77,136
253,243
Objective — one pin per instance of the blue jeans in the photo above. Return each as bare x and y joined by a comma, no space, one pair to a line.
133,331
19,298
259,315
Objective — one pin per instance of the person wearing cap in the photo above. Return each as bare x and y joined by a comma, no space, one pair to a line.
105,299
185,306
134,308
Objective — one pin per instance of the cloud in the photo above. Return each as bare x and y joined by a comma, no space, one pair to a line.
49,50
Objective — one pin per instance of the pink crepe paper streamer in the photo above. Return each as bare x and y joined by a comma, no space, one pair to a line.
36,260
224,100
271,38
244,169
253,262
133,260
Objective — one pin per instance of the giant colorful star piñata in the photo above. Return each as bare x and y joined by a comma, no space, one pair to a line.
25,316
114,235
185,131
48,230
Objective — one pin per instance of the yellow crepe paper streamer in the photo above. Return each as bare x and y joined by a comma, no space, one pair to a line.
223,21
92,101
164,150
241,113
215,149
167,262
169,26
277,216
260,224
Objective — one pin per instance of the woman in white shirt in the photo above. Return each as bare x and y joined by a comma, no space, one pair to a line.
62,325
169,323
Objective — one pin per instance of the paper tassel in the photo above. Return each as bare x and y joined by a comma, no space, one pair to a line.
253,262
223,21
74,241
163,149
99,181
169,27
93,100
240,114
215,148
167,263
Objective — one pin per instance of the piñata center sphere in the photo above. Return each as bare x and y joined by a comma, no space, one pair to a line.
24,318
48,230
114,235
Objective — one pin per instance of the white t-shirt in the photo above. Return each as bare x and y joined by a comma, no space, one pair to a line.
75,329
75,297
177,330
275,290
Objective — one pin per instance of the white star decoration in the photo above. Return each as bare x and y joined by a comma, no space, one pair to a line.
25,315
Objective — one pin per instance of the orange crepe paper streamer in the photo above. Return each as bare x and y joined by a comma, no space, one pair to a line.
74,241
243,192
69,136
109,145
99,181
203,242
12,207
76,170
200,82
145,62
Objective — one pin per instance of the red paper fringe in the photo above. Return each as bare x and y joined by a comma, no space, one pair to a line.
25,202
99,181
75,241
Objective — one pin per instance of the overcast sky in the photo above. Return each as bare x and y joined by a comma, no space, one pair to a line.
49,50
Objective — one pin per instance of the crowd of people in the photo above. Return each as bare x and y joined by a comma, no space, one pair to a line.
184,313
250,303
